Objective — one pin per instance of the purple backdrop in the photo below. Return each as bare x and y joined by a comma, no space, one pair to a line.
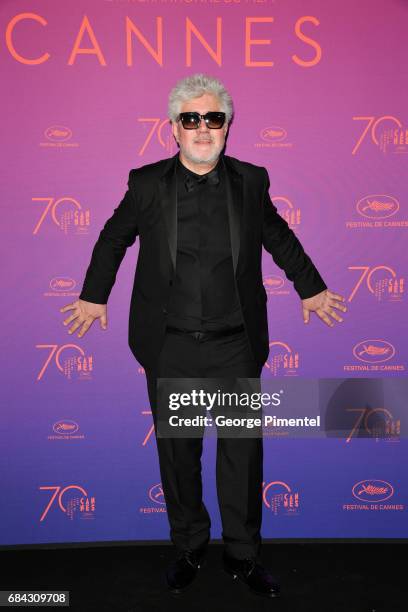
321,99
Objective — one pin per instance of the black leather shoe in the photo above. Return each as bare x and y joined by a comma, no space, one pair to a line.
181,573
257,577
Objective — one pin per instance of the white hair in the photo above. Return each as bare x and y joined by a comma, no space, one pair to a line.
195,86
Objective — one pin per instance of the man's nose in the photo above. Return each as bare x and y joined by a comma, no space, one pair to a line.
203,125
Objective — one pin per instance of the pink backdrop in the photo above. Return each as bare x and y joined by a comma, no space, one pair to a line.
320,93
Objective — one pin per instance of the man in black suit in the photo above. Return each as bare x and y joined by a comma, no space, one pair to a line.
198,309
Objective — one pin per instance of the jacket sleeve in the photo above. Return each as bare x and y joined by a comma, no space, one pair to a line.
119,233
286,250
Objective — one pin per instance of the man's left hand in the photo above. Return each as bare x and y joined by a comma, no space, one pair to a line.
323,304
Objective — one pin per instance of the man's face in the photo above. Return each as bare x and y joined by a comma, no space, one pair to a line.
201,145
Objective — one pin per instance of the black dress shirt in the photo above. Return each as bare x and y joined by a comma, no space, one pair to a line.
203,295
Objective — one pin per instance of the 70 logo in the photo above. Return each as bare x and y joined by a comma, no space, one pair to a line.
363,418
371,128
80,216
163,134
367,273
55,353
57,496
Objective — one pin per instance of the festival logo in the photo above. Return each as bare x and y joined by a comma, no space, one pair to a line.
76,365
377,211
373,496
273,137
282,360
381,282
377,206
372,490
156,131
58,137
65,213
273,134
72,500
373,351
373,355
387,133
287,211
65,429
377,423
58,133
274,285
156,495
279,498
63,286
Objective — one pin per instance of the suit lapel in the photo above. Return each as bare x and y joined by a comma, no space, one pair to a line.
168,202
234,187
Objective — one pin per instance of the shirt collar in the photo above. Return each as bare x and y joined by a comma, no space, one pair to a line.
184,171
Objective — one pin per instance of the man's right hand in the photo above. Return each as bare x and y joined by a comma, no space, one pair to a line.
85,314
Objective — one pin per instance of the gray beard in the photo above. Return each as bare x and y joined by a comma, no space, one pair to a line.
199,160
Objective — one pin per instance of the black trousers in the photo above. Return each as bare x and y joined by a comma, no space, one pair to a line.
239,463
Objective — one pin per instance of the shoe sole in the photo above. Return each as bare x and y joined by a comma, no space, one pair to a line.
235,576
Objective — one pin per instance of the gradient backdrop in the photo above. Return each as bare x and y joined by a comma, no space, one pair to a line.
321,100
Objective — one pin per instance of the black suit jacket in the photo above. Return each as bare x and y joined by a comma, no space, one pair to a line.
149,210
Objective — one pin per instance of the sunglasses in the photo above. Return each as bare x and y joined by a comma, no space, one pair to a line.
191,121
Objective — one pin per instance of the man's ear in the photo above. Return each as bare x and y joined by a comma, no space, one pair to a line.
174,130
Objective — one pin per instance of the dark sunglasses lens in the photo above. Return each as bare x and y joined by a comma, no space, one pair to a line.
214,120
190,121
